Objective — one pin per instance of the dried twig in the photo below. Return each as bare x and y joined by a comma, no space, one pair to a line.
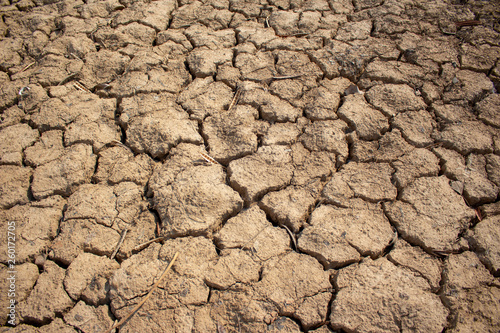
26,67
67,78
253,238
292,236
434,145
141,246
102,86
394,239
127,317
209,159
444,253
235,99
117,143
122,238
81,87
299,34
320,202
286,77
478,214
75,56
467,23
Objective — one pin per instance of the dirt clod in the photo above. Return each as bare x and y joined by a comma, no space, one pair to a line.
385,293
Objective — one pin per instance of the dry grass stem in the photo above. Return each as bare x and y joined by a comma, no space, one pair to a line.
67,78
234,102
143,245
122,238
292,236
209,159
467,23
127,317
26,67
286,77
75,56
81,87
253,238
118,143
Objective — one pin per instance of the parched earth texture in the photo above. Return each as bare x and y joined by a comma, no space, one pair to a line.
319,165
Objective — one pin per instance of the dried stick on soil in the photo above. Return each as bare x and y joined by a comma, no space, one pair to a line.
26,67
251,239
467,23
292,236
81,87
286,77
67,78
127,317
141,246
122,238
209,159
118,143
235,99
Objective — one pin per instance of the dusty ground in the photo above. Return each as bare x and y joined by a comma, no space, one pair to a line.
356,175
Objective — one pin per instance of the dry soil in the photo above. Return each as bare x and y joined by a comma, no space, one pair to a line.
319,165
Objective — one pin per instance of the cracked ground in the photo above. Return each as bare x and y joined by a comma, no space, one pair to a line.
319,165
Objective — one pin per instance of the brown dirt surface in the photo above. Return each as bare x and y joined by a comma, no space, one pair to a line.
318,165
